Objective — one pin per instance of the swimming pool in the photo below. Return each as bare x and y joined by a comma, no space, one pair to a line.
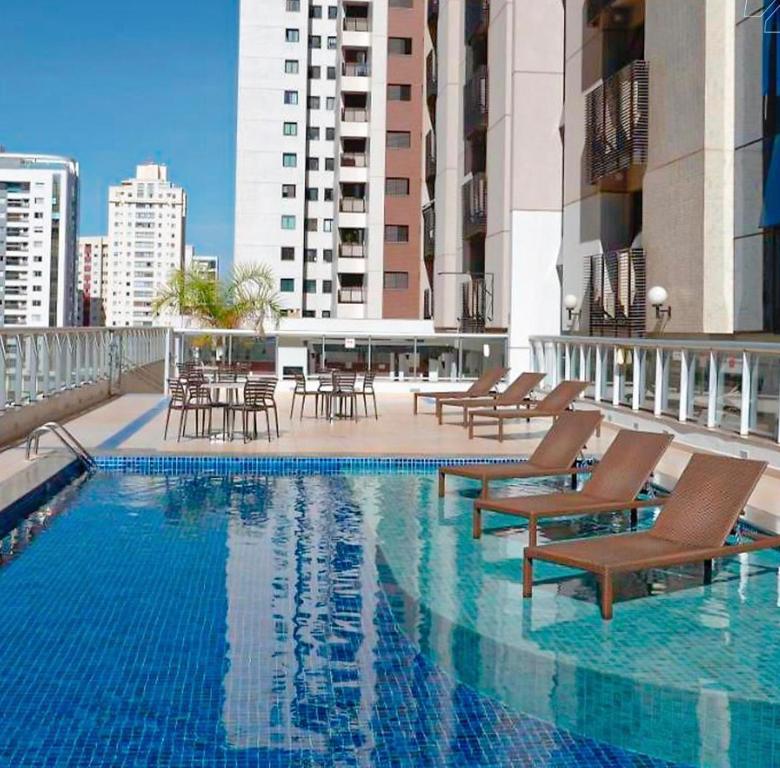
203,612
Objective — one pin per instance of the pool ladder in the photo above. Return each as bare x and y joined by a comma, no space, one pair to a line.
65,437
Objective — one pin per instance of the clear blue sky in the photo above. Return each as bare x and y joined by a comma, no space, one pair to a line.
115,84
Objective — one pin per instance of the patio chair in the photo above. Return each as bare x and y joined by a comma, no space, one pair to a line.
621,474
258,398
177,402
301,390
516,394
693,527
554,456
480,388
198,401
551,406
344,391
366,389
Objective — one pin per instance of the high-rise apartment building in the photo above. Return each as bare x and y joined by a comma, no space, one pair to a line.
329,160
91,281
38,233
146,230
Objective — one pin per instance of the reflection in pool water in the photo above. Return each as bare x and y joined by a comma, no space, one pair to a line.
351,620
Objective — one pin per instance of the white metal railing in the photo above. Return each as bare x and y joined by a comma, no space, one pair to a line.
39,363
731,386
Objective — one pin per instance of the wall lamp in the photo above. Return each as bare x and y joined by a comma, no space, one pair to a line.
657,296
570,303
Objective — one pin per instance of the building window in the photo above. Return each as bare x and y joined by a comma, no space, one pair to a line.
311,225
399,139
293,5
288,222
291,97
288,191
315,73
313,102
396,233
309,313
312,164
327,286
310,286
326,313
330,103
292,35
287,285
327,255
331,73
315,41
288,253
291,66
290,129
333,11
327,225
396,187
330,134
397,280
312,194
312,133
329,164
310,255
327,194
290,160
397,92
399,46
315,11
332,43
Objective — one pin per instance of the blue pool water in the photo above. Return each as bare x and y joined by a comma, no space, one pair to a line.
348,619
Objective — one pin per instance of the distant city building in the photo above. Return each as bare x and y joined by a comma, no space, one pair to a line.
39,197
146,230
209,264
93,254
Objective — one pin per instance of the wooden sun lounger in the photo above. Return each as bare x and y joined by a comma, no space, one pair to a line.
480,388
616,480
693,527
551,406
516,394
555,455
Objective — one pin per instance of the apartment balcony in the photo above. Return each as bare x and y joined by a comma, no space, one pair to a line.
354,160
429,231
475,103
353,205
617,297
352,295
616,126
477,19
431,77
352,250
355,69
475,206
357,24
430,156
476,303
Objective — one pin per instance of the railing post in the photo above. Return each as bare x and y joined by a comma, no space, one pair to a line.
567,362
597,389
45,365
68,351
660,386
755,360
683,406
3,373
618,360
19,371
640,359
167,360
744,408
712,394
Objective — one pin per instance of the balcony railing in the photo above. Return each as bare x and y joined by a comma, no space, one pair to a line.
355,69
617,123
475,102
430,156
354,159
357,24
729,387
354,115
352,250
352,296
431,76
475,205
616,292
476,302
477,18
429,231
352,205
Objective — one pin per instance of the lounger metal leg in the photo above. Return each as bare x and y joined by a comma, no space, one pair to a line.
292,406
485,487
438,412
574,481
532,531
442,477
500,430
633,518
167,419
476,523
528,576
471,426
415,404
708,571
606,596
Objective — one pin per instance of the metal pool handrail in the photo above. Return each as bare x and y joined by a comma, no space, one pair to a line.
65,437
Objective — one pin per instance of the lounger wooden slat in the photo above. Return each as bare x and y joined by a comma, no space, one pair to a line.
516,394
613,487
555,455
480,388
693,527
553,405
